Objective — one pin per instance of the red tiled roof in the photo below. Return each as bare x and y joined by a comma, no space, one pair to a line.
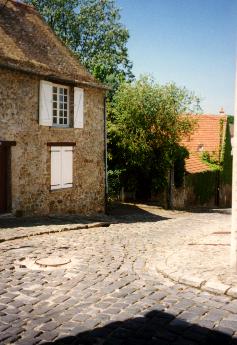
206,137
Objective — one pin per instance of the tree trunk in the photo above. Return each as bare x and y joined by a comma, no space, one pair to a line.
234,190
171,189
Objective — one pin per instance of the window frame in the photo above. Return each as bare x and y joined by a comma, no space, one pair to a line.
58,86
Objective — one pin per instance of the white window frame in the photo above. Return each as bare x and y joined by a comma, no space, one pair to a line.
58,125
61,182
49,108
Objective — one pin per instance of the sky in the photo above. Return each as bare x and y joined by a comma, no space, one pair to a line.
189,42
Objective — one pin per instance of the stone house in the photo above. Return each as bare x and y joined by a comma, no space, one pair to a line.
207,175
52,121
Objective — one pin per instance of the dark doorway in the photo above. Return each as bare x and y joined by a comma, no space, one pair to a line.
3,178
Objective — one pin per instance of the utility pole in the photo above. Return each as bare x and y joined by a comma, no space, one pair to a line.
234,188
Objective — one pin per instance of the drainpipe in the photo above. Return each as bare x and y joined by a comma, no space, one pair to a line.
105,160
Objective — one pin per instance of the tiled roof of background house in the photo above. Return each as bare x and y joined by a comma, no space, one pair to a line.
206,137
27,43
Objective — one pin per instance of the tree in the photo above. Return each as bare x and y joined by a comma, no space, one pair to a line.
147,124
93,31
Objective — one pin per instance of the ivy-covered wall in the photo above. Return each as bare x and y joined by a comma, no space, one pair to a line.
203,186
226,172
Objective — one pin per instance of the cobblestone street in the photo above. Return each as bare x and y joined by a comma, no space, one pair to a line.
112,291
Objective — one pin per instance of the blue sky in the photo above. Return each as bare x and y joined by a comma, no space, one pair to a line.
190,42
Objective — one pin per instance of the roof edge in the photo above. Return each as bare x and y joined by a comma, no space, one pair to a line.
23,4
211,116
52,77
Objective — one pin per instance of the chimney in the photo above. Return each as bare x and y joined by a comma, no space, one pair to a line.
221,111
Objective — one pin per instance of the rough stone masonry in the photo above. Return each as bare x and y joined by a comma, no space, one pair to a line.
30,158
33,64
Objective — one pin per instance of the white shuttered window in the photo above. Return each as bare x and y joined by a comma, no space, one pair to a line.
61,167
54,105
78,107
45,104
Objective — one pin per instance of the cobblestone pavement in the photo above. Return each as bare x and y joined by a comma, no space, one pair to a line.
195,249
111,291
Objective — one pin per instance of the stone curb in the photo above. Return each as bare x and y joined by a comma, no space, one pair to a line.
212,286
51,231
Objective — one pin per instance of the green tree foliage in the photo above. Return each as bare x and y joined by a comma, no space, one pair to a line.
146,126
227,158
92,30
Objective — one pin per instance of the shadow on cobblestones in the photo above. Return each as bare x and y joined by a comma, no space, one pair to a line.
124,213
28,222
208,210
131,213
155,328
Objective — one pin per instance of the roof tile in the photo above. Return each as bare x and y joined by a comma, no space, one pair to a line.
206,137
28,43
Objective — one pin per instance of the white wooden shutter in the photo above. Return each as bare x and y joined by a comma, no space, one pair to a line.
78,107
67,166
45,104
56,167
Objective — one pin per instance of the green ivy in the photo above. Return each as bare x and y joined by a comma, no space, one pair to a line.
203,184
226,172
211,160
215,159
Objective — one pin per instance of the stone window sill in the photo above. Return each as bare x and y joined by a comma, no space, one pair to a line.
60,189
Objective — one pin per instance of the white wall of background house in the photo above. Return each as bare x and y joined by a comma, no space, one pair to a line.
233,256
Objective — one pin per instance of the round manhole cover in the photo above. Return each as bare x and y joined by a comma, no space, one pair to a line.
53,261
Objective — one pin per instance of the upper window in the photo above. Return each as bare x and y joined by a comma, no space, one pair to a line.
54,106
60,106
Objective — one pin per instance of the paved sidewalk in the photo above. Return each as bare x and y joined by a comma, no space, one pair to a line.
192,247
195,250
112,291
12,228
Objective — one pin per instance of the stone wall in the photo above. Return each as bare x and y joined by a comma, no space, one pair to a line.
192,194
30,158
203,193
